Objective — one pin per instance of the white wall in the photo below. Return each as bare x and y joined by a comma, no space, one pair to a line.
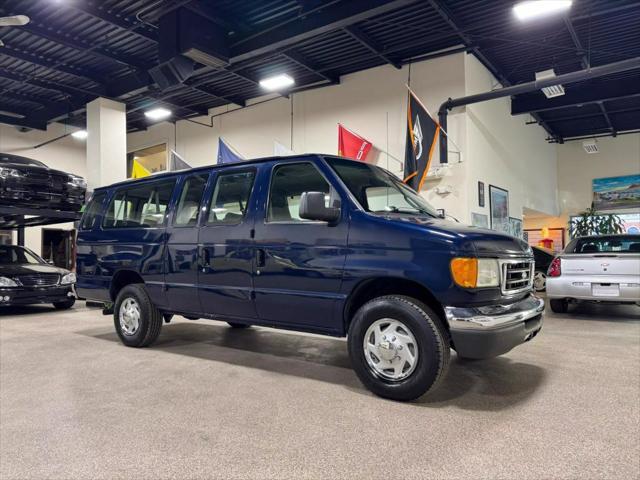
67,154
503,151
576,170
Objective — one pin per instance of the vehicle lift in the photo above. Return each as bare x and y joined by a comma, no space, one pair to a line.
17,218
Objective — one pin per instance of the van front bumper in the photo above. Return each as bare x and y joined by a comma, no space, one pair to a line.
489,331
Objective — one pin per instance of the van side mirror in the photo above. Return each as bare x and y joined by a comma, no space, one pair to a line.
312,207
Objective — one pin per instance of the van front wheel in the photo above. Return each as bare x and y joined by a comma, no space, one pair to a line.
398,347
137,320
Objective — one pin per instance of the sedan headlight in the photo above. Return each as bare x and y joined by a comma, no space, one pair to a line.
475,272
68,279
7,282
9,172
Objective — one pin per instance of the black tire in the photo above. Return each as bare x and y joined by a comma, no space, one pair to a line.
559,305
150,319
238,325
65,304
431,337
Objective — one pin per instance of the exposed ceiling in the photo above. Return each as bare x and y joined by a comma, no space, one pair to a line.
73,51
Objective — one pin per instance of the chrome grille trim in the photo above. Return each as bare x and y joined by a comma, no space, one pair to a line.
516,275
38,280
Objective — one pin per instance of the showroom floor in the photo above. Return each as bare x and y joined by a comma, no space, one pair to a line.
211,402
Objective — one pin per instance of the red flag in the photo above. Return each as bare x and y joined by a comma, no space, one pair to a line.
351,145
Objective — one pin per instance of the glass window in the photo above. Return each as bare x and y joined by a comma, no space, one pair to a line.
230,198
140,205
377,190
604,244
189,203
288,183
92,211
14,255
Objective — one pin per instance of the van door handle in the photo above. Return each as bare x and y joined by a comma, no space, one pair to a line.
260,257
206,258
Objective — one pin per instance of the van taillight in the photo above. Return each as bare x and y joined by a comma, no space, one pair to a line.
554,268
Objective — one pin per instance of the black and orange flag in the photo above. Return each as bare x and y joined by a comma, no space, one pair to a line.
422,135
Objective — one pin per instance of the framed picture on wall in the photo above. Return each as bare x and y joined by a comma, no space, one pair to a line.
481,194
499,208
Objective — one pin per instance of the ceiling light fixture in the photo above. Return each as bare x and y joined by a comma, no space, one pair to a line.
157,114
80,134
539,8
277,82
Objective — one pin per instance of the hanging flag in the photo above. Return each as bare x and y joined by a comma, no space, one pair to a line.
352,145
226,154
422,135
176,162
138,171
279,150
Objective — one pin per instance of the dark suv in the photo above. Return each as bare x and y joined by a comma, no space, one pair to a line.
312,243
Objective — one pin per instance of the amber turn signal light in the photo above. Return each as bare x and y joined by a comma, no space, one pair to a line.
465,271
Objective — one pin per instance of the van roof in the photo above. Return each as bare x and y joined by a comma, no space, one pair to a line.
208,167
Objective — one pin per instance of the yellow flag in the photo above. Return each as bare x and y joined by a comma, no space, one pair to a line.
138,171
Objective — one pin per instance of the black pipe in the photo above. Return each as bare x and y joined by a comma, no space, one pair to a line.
593,72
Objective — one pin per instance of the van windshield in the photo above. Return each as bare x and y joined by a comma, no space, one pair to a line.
377,190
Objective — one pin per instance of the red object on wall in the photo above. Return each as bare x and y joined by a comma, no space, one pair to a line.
351,145
546,243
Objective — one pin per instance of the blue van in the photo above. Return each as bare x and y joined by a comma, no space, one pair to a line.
314,243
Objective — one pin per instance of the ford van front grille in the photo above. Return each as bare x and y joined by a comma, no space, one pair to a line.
516,275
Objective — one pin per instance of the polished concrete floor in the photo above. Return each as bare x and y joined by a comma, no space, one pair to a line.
211,402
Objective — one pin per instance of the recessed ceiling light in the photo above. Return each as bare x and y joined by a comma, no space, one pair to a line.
539,8
158,114
277,82
80,134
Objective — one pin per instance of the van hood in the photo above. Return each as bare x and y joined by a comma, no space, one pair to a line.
471,240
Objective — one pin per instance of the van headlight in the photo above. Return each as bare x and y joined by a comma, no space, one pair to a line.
7,282
68,279
470,272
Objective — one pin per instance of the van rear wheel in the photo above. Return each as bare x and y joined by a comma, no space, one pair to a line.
559,305
398,347
137,320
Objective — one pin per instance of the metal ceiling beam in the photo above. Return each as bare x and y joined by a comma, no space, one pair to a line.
537,102
31,98
84,46
66,89
23,122
303,28
589,115
308,64
52,65
96,10
584,59
607,118
370,44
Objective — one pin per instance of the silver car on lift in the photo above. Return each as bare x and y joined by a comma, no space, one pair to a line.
597,269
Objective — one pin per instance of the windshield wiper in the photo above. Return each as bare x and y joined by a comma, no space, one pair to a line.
394,209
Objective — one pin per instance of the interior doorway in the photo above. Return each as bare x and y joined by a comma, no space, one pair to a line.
58,247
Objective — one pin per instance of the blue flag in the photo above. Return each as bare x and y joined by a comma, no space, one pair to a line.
226,154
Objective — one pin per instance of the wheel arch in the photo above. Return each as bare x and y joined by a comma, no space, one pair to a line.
121,279
377,287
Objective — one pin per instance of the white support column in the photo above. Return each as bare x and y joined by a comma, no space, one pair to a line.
106,143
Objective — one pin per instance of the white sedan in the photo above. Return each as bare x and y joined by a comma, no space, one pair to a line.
598,269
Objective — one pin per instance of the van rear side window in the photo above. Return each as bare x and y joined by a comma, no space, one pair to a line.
91,212
140,206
